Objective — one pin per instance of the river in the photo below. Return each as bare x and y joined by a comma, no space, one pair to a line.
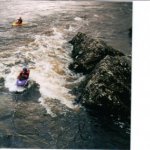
45,115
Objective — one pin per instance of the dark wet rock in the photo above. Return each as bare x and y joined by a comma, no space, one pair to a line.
1,81
7,71
32,85
87,52
107,87
130,32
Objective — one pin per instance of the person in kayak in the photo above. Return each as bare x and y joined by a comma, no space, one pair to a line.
19,21
24,74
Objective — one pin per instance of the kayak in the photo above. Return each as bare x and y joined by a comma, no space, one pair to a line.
22,82
15,24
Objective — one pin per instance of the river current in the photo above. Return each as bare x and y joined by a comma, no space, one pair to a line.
45,116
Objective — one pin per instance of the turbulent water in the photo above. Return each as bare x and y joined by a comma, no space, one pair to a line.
45,116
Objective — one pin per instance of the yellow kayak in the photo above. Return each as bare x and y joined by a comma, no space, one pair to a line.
15,24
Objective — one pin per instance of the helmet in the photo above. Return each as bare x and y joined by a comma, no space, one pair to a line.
25,69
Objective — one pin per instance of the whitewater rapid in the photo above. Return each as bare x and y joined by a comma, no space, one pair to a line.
48,58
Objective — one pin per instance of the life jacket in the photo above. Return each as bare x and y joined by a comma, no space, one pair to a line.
24,75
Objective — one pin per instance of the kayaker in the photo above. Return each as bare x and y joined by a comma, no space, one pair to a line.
24,74
19,21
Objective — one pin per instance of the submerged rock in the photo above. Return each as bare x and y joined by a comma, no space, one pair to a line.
1,83
130,32
107,87
87,52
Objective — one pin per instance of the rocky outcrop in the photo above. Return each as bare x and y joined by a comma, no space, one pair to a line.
87,52
107,87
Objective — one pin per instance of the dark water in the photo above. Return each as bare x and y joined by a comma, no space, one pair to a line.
44,116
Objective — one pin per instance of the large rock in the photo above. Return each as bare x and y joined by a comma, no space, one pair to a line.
108,88
87,52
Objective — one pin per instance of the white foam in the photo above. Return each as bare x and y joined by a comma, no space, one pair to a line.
50,72
71,28
10,81
95,15
78,19
52,85
48,109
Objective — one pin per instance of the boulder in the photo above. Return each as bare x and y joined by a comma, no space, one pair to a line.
87,52
107,85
